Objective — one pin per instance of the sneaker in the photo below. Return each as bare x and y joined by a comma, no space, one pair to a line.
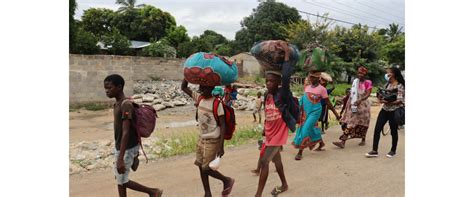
390,154
372,154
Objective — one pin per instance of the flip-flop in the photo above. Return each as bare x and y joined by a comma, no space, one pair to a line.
298,157
278,190
227,190
338,144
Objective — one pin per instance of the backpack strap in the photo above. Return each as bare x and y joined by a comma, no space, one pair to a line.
215,107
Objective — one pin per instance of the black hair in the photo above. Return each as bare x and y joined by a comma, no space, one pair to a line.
348,89
398,75
115,79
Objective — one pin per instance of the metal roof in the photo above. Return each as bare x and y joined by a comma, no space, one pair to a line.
133,45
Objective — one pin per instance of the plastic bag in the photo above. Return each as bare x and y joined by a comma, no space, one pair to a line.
214,164
209,69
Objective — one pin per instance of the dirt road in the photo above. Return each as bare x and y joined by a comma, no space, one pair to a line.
334,172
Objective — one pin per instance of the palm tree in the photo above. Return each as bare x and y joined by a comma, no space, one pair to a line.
127,5
393,31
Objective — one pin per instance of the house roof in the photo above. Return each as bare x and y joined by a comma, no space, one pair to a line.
133,45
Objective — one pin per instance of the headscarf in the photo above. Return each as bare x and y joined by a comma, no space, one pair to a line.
363,70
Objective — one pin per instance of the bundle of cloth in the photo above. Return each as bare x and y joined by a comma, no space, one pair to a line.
271,54
209,70
314,59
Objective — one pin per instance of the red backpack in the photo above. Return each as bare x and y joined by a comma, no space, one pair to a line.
228,113
143,122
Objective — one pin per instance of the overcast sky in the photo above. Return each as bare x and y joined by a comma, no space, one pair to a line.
224,16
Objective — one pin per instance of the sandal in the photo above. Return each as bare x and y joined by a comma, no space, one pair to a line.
278,190
298,157
339,144
227,190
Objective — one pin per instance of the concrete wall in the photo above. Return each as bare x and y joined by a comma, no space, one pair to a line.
87,72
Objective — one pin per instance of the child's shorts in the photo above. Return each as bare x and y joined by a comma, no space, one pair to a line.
130,154
206,151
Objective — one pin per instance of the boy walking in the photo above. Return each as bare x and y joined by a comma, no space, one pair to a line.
211,139
126,138
277,122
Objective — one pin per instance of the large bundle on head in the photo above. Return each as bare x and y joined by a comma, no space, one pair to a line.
314,59
272,53
209,69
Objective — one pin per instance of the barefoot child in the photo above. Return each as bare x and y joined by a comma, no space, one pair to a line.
126,142
211,139
258,108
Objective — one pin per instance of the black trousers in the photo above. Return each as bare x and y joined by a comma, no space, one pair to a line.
382,119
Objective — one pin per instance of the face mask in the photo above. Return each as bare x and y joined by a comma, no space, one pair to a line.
386,77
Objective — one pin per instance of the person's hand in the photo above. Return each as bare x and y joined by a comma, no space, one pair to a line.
120,166
220,152
383,101
357,103
338,117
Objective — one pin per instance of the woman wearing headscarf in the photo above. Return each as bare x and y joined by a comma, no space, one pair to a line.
357,114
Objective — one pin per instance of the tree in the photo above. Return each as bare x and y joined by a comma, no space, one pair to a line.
72,24
85,43
159,49
145,24
266,22
226,49
213,38
177,35
98,21
394,52
127,5
153,23
118,43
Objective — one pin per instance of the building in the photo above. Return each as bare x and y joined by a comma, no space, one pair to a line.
250,65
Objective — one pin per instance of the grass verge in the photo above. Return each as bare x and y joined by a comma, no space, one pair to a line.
92,106
186,142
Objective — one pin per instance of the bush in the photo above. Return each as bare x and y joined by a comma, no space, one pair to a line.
159,49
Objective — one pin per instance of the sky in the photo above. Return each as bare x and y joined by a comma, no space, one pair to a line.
224,16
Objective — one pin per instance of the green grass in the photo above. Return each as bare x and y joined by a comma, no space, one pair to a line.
185,143
255,79
93,106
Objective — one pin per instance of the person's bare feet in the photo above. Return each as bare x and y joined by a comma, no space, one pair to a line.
320,147
156,192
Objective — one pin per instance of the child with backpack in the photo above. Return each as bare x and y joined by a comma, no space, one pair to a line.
126,137
215,121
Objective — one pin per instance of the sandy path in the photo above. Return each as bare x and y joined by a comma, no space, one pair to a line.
334,172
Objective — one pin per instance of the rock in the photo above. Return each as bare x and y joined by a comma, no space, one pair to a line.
168,104
148,98
157,101
75,169
137,96
159,107
138,100
80,157
179,103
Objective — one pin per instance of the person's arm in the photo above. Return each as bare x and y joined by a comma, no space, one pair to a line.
185,88
126,117
287,70
400,96
222,127
343,106
331,107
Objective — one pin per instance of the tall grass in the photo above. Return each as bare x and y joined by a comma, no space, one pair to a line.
185,143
